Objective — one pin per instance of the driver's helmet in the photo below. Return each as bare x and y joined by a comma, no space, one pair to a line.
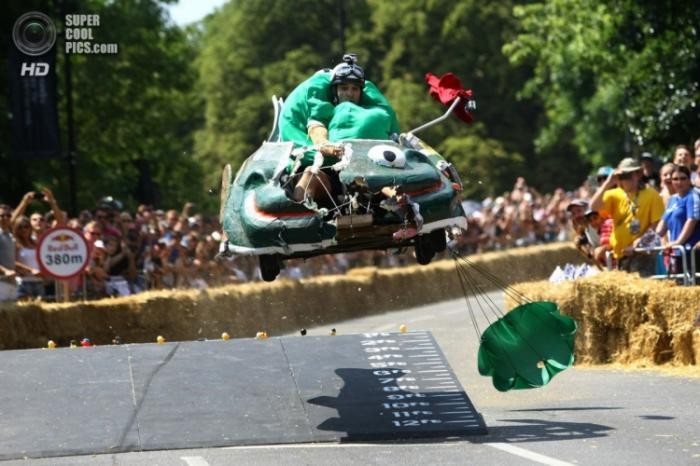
347,72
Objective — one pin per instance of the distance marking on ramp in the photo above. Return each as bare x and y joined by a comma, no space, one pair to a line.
414,377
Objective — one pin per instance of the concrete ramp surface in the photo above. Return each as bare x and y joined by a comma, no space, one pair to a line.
108,399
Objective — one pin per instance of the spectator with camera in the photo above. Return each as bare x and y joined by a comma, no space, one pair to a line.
634,209
105,212
120,267
576,211
37,220
598,233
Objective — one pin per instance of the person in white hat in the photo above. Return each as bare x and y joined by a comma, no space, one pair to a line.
634,209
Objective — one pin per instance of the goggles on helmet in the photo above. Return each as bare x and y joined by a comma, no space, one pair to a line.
344,71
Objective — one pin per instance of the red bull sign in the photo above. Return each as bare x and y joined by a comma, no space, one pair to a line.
62,253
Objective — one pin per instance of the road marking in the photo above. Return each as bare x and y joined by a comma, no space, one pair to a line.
194,460
530,455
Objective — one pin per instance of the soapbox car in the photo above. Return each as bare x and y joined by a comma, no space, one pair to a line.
260,217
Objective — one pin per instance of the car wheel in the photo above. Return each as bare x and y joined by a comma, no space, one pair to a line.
424,249
269,267
439,240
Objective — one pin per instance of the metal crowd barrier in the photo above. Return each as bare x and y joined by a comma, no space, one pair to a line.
688,275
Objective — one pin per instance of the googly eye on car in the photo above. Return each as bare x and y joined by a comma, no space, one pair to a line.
387,156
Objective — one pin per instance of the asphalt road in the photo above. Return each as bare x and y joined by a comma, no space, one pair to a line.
584,416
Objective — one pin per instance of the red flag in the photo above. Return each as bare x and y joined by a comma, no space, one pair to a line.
446,89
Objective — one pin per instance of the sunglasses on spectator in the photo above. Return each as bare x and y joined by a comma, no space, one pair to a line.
95,233
625,176
5,215
679,178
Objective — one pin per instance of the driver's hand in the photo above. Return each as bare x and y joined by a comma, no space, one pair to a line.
332,150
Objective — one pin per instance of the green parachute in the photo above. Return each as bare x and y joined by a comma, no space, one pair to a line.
524,348
527,347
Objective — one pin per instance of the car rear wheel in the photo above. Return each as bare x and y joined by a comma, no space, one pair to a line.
424,249
269,267
439,240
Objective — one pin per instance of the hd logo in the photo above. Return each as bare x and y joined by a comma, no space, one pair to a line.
34,69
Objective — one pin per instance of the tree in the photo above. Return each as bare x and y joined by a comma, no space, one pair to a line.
135,111
614,77
465,37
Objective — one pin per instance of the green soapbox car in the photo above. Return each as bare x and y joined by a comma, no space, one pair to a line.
260,217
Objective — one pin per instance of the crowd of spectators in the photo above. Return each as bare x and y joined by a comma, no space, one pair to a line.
643,220
150,249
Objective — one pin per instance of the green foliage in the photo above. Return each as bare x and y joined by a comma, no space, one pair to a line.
242,63
134,111
613,76
137,107
250,51
464,37
485,166
561,86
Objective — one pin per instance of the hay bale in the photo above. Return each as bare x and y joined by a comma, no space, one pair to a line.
282,306
626,319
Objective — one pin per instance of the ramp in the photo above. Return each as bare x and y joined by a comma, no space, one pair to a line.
380,386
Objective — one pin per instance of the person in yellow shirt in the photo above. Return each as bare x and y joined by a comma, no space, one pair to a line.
634,209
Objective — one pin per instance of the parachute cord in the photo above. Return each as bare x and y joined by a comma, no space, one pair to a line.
496,310
484,301
462,283
480,296
510,291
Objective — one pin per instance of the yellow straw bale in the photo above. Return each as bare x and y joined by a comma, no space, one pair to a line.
623,318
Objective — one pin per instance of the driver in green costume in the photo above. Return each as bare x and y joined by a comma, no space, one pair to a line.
332,106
